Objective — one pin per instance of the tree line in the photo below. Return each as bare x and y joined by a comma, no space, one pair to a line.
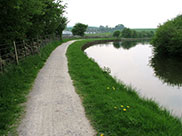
101,29
26,19
129,33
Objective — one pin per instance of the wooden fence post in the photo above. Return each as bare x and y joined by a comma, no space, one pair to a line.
1,64
24,47
16,54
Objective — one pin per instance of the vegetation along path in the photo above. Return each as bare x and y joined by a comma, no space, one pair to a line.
53,108
113,108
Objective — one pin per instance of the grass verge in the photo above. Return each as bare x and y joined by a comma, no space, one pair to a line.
15,84
113,108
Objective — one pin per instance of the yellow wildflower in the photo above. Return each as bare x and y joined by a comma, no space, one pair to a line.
128,107
122,106
124,109
101,134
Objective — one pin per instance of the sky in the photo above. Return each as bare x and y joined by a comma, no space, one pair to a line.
130,13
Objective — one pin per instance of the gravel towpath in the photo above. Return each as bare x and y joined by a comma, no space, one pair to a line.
53,107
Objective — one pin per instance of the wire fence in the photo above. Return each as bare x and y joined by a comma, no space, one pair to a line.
15,51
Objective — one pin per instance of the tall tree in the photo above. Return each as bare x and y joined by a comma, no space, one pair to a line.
61,26
79,29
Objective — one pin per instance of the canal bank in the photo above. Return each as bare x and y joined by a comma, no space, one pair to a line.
113,108
133,62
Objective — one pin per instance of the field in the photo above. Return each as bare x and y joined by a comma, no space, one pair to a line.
100,34
144,29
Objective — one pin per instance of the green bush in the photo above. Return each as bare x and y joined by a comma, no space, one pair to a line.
168,38
79,29
116,34
131,33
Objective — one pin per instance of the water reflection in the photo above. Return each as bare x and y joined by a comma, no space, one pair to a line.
159,78
117,44
129,44
168,69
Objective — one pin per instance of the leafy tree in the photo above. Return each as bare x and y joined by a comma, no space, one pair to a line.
50,20
129,33
102,29
79,29
16,18
21,19
61,26
134,34
116,34
168,38
126,33
118,27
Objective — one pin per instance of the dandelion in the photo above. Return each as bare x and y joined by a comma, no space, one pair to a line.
124,109
122,106
128,107
101,134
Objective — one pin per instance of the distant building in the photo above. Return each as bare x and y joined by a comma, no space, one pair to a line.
90,32
67,33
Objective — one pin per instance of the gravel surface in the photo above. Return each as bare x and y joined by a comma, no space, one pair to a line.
53,107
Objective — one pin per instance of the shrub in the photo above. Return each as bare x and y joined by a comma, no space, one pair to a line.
79,29
116,34
168,38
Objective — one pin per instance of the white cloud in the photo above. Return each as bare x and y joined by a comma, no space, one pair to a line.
131,13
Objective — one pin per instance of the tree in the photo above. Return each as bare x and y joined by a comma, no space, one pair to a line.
61,26
16,16
133,34
50,20
116,34
22,19
118,27
79,29
126,33
168,38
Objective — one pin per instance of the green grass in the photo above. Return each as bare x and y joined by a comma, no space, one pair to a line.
100,34
103,105
144,29
15,84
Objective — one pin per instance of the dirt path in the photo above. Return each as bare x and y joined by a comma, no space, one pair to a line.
53,107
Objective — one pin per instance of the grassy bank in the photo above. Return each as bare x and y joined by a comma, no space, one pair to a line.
15,84
113,108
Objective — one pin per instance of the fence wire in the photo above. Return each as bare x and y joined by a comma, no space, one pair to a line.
15,51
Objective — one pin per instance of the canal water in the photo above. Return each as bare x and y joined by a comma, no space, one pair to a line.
153,77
